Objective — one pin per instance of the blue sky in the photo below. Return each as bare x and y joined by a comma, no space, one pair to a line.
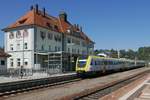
118,24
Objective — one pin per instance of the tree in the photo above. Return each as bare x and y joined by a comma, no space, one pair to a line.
144,53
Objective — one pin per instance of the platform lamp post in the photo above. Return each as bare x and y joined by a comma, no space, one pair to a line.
118,52
21,69
36,55
61,54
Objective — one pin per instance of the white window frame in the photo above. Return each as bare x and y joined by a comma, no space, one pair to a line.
18,62
11,62
26,45
11,47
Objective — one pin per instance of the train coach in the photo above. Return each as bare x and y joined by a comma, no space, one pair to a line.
96,65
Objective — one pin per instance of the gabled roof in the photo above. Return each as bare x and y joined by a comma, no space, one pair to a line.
46,21
27,19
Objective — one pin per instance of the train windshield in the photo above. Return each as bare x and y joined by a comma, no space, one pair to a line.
82,63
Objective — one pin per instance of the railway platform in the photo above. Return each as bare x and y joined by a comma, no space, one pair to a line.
4,79
78,89
136,90
140,92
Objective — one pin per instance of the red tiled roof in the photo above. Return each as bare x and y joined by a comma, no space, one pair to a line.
47,21
3,54
28,19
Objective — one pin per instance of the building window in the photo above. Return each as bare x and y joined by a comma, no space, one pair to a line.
59,49
68,49
74,50
78,51
11,35
56,28
69,40
49,48
59,38
77,42
25,46
50,36
56,38
49,25
26,62
55,48
83,44
22,20
11,62
42,48
2,62
18,62
11,47
18,34
18,46
43,35
25,33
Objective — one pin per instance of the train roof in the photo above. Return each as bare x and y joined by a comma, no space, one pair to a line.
120,59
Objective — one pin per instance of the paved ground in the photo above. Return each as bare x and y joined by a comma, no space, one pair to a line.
137,90
141,92
70,89
4,79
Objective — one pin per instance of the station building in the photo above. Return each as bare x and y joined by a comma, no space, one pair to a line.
38,40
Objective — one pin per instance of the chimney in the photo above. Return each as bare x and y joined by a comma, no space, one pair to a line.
77,26
80,28
36,8
74,26
31,8
44,12
63,16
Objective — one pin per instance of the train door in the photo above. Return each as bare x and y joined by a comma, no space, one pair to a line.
104,66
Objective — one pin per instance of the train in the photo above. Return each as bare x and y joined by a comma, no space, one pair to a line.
88,65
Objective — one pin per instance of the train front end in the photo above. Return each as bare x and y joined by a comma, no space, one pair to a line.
81,65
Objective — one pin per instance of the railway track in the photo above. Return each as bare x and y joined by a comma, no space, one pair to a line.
97,94
57,87
13,88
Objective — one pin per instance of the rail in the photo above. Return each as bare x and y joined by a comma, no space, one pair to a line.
26,85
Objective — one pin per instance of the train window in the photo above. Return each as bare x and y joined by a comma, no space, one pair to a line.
82,63
111,62
96,63
83,57
102,62
105,62
92,62
99,62
108,62
116,63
